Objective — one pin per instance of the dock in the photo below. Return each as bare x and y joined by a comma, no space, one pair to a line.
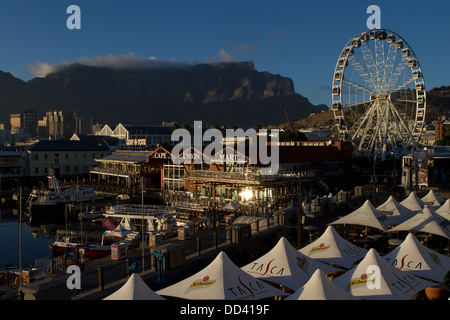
101,277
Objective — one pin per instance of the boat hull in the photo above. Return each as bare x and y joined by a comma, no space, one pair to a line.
47,213
90,251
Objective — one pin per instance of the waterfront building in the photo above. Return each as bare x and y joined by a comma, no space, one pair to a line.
111,143
123,167
303,166
428,139
306,165
63,157
427,168
138,135
163,173
13,163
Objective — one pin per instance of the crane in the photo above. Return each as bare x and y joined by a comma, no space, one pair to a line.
288,119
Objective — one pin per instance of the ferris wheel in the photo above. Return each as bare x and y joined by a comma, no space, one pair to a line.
378,95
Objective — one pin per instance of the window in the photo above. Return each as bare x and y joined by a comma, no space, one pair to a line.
173,177
84,156
76,156
56,157
67,156
45,170
76,168
36,157
332,167
36,170
45,156
67,169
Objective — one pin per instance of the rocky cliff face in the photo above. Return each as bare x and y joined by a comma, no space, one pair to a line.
221,93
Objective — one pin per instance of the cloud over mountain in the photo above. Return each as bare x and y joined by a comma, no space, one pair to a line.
128,61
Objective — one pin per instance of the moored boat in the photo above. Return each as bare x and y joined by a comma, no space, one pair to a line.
153,217
88,248
49,203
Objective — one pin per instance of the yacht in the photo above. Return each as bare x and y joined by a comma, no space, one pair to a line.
52,199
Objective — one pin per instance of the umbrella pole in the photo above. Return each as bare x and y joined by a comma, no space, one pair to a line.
448,247
365,244
299,231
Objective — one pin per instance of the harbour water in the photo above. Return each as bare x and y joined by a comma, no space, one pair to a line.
34,245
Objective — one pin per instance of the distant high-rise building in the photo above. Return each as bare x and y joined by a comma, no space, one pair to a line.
24,123
83,125
439,130
57,124
15,120
29,121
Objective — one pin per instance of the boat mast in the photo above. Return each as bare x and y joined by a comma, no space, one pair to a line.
142,222
20,238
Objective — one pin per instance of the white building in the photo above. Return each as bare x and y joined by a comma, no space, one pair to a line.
135,135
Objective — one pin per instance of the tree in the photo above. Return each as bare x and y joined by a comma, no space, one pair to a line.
289,135
175,126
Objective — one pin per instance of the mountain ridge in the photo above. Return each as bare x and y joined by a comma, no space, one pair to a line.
232,93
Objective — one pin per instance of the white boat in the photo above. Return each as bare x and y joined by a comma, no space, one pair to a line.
51,200
132,216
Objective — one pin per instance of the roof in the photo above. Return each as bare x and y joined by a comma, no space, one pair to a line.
126,156
148,130
96,139
436,152
313,153
66,145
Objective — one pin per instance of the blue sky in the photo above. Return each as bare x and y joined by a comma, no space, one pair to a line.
297,39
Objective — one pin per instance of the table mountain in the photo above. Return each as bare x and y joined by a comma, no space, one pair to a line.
231,93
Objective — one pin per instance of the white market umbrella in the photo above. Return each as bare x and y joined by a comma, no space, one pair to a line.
426,221
375,279
286,266
330,247
394,209
444,210
250,220
412,256
319,287
231,206
433,199
368,216
134,289
413,202
221,280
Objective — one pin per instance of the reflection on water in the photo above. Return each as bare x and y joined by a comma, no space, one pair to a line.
35,243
